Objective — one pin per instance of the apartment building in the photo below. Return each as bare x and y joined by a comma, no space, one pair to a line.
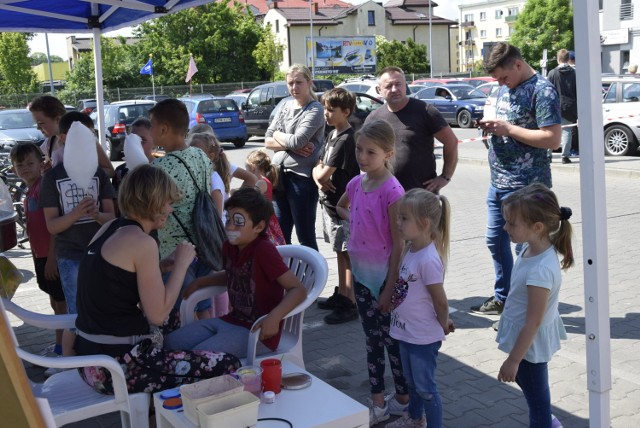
482,24
619,35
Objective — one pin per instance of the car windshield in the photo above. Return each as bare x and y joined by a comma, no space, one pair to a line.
16,120
464,93
217,106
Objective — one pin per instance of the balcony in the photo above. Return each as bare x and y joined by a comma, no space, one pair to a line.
510,19
468,24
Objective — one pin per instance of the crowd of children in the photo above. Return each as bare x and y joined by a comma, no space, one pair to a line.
391,249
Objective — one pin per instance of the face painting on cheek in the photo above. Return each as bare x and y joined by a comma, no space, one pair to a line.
232,236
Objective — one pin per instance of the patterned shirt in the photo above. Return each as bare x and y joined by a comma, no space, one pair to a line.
533,104
200,165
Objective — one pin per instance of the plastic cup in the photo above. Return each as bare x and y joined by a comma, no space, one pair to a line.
251,378
271,375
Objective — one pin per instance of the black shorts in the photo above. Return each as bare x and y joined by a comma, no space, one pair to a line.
52,288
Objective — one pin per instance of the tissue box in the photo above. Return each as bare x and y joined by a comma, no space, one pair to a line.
207,390
232,411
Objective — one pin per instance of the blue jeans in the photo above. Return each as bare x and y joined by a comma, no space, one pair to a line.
419,367
196,270
533,379
565,138
499,242
298,209
68,269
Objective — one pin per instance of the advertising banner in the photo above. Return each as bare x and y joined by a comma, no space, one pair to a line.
342,55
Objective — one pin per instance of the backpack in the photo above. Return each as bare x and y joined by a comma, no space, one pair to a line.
207,225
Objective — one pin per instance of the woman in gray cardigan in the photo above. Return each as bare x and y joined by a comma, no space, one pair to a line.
297,135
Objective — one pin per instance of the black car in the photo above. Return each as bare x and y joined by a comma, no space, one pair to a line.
118,118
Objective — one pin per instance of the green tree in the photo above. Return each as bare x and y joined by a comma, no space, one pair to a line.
220,38
268,53
543,24
410,56
38,58
16,75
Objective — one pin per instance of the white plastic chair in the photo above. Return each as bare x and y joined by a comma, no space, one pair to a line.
312,271
69,397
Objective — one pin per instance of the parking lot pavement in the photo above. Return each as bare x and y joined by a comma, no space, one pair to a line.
469,360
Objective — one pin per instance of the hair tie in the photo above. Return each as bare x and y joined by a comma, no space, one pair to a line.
565,213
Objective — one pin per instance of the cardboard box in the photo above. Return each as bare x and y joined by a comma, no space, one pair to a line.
232,411
207,390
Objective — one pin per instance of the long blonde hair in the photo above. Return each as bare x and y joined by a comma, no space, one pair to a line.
209,144
434,210
306,73
535,203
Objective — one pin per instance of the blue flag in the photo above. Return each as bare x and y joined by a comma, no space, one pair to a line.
148,68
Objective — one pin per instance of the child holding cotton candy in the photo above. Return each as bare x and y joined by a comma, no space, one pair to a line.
77,198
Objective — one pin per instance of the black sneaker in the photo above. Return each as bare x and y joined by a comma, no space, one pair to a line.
491,306
566,160
344,312
329,303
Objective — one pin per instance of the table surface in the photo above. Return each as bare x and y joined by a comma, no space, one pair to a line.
318,406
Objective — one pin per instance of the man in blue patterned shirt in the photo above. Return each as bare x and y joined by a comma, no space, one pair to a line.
527,124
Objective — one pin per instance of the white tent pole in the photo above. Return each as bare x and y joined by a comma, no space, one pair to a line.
97,66
594,214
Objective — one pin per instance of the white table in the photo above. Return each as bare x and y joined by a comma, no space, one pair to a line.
318,406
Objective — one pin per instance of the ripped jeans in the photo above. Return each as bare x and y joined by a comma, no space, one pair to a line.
419,368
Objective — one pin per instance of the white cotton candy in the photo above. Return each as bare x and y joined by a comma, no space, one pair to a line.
80,155
133,152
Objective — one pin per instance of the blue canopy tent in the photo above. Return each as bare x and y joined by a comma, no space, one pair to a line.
85,16
98,16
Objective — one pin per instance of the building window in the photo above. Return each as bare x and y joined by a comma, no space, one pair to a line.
483,16
626,10
512,11
511,30
372,18
468,18
499,13
277,26
498,32
483,34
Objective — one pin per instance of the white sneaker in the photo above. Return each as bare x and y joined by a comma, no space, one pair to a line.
406,422
555,423
378,414
395,407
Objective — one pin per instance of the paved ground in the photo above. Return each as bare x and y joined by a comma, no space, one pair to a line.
469,360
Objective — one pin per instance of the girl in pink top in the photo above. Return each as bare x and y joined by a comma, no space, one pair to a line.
420,315
370,205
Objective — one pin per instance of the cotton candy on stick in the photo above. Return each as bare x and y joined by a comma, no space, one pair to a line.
80,155
133,152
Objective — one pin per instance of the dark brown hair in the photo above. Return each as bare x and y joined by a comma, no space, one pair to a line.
254,203
503,55
49,105
20,151
339,98
173,113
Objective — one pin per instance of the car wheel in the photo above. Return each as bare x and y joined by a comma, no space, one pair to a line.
464,119
239,143
619,141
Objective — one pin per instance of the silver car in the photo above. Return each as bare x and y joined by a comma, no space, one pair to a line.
17,126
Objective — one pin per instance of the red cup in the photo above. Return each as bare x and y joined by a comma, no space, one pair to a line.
271,375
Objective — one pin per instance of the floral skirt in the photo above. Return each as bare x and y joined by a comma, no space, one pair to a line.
148,368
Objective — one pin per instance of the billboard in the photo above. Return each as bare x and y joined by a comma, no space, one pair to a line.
342,55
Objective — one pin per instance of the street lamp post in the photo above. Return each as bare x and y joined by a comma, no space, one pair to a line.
430,45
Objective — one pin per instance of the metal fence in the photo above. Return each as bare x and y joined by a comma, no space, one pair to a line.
120,94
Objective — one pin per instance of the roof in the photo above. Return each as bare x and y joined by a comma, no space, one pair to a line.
300,16
262,6
409,3
400,16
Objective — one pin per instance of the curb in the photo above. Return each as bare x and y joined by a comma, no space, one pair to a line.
557,166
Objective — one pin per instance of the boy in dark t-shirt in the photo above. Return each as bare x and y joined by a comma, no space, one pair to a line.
336,167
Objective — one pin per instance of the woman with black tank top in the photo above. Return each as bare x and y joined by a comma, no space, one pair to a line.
121,293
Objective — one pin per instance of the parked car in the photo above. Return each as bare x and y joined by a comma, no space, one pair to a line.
486,88
259,105
118,118
416,88
477,81
222,114
365,86
69,108
434,82
16,127
459,104
365,104
620,106
322,85
155,98
89,105
239,98
491,91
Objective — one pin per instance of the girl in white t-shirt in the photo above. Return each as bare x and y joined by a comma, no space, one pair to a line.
420,312
530,328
